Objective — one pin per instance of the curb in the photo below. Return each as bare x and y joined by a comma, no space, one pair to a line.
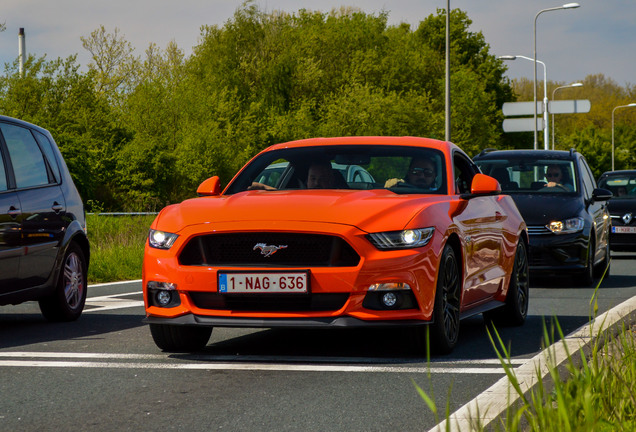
495,400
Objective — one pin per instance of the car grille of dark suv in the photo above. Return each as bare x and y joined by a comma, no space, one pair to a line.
538,230
270,302
250,250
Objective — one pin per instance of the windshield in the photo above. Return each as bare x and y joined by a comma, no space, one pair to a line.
396,168
622,186
528,175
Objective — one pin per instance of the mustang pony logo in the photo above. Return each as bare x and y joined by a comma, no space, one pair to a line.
268,250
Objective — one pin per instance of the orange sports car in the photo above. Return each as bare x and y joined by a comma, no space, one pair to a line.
339,232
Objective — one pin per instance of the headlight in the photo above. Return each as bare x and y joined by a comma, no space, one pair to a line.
406,239
161,239
566,226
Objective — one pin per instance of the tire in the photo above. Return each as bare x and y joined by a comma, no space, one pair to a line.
586,277
515,311
444,331
178,338
67,301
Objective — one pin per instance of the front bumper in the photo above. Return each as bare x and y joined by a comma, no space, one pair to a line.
310,323
338,295
550,253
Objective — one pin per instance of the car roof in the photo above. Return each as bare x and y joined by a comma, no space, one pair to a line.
534,154
618,173
366,140
22,123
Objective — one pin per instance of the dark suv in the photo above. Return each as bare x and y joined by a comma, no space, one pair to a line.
567,215
44,251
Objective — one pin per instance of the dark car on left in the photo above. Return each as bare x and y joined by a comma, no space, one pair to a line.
44,249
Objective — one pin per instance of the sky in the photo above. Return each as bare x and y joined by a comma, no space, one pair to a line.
597,38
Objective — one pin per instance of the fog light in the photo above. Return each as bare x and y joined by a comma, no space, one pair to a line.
163,297
389,299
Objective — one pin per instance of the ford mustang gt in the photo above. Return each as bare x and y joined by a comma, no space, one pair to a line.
422,242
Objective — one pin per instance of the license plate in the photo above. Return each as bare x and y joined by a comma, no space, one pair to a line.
263,283
623,230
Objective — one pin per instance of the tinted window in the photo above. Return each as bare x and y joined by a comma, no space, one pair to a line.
623,186
528,174
28,162
46,146
464,173
3,175
399,169
588,179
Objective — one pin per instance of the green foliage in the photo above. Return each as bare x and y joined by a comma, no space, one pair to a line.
139,132
117,246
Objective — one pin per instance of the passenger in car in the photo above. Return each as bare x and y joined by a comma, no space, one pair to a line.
320,175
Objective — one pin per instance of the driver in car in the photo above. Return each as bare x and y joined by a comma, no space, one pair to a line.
554,176
421,174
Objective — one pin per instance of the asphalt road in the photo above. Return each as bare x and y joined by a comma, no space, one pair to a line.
104,372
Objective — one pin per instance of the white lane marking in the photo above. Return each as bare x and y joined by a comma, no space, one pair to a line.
27,359
114,283
248,367
228,358
110,302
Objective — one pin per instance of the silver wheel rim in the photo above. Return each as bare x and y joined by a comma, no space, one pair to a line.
73,280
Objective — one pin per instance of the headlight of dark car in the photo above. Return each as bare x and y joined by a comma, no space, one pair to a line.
161,239
566,226
405,239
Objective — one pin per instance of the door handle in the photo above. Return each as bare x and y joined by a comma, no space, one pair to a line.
14,212
57,207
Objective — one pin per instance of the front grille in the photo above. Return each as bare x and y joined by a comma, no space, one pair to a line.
249,250
538,230
270,302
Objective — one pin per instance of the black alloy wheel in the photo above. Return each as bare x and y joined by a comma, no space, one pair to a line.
445,327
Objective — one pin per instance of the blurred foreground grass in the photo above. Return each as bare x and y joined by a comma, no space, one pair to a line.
117,246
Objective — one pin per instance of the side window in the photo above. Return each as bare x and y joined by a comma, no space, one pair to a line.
464,171
47,147
3,175
29,167
588,180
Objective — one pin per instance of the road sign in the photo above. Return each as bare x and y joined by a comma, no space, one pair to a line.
521,108
522,124
569,106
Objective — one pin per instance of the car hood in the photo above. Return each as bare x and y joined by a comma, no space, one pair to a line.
369,210
540,209
622,206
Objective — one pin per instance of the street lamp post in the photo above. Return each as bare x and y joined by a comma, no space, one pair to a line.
576,84
546,133
565,6
615,108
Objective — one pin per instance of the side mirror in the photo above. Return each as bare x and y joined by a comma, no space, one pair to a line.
599,194
484,185
210,187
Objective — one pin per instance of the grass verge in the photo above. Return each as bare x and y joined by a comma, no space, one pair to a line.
117,246
593,390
